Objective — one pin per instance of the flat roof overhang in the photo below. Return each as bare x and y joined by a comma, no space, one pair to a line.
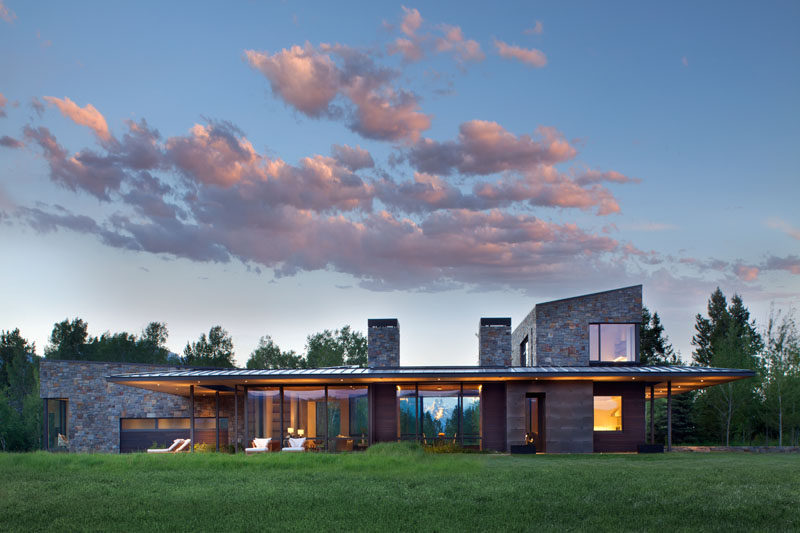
207,382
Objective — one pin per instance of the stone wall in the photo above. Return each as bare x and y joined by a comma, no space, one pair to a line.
95,405
383,343
569,414
562,326
494,342
525,329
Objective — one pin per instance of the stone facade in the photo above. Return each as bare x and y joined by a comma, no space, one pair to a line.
524,332
560,328
383,343
494,342
96,405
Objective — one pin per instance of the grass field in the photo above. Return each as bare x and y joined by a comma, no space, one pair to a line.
399,488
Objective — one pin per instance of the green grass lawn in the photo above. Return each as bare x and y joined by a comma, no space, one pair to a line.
399,488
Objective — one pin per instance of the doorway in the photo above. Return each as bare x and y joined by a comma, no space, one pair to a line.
535,420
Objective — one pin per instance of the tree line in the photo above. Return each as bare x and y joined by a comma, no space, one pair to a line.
765,409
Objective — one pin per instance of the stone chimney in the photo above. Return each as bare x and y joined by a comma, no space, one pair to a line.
383,343
494,342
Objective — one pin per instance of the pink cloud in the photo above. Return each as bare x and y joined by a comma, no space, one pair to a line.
386,115
611,176
782,225
3,102
529,56
6,14
746,273
790,263
412,20
354,158
10,142
464,49
410,50
303,77
537,29
87,116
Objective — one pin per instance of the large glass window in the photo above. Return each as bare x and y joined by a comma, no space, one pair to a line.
304,415
407,410
608,413
471,422
613,343
440,413
348,418
264,413
57,425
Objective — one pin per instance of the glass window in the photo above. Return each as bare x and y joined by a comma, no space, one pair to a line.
264,413
407,412
129,424
612,343
304,414
172,423
608,413
348,418
57,430
471,424
440,412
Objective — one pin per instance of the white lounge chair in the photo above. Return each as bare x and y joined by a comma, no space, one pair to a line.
259,446
175,445
185,447
295,445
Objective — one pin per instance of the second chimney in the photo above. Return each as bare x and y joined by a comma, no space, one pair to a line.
383,343
494,342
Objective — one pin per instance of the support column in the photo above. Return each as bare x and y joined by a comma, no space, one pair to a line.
669,416
235,418
216,414
652,414
45,426
246,426
191,417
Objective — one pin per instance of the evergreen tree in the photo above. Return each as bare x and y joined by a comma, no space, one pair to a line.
655,348
216,350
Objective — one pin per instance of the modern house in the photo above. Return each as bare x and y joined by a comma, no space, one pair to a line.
567,379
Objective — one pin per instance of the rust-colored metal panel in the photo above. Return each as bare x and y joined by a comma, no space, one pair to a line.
633,418
493,416
384,412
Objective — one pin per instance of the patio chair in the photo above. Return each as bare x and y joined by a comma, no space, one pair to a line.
259,446
185,447
175,445
295,445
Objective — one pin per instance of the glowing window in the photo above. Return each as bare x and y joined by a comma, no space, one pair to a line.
608,413
613,343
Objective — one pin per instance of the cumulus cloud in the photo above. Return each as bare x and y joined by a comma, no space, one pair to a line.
530,56
353,158
309,79
87,116
537,29
10,142
746,273
412,20
464,49
790,263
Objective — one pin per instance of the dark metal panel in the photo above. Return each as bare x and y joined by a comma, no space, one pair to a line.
384,399
493,416
633,417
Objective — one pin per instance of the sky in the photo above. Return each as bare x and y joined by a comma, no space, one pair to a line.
280,168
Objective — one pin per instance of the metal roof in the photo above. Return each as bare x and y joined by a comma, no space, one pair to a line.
440,371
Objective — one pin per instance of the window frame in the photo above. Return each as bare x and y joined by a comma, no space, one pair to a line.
621,414
636,344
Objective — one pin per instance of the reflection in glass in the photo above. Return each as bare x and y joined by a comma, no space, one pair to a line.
612,343
407,411
264,412
608,413
348,418
440,412
57,430
471,424
304,413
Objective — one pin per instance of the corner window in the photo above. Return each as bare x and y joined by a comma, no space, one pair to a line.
613,343
608,413
56,421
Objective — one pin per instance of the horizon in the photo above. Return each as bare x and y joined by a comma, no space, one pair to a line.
280,170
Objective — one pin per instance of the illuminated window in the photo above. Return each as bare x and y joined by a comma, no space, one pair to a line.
613,343
608,413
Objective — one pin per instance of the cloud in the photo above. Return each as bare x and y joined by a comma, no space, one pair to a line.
464,49
37,106
412,45
410,50
6,14
746,273
790,263
309,80
485,147
85,116
412,20
684,61
10,142
782,225
530,56
537,29
352,158
3,101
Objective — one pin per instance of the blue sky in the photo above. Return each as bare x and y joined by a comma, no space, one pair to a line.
306,166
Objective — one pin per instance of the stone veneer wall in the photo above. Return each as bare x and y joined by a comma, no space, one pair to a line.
562,326
96,405
526,328
569,414
494,346
383,345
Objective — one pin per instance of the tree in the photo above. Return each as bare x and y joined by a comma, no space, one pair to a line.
655,348
269,355
781,370
336,348
68,340
20,406
215,350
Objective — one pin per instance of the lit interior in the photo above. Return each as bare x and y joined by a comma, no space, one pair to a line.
608,413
